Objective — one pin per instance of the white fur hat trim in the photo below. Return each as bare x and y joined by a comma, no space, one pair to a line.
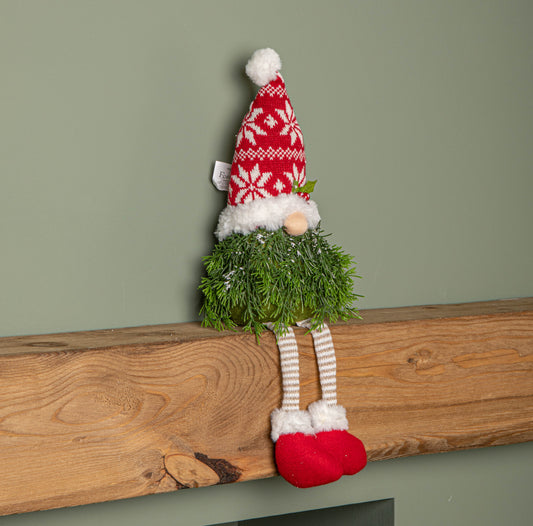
287,422
268,213
326,417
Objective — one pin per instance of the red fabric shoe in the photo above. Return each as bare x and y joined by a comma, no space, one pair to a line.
345,448
299,458
303,463
330,426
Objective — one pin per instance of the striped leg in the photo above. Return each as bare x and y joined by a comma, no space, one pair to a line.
290,370
289,419
327,363
328,419
299,459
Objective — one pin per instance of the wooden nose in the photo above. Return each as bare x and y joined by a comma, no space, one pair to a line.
296,224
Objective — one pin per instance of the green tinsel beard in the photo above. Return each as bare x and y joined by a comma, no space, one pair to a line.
272,276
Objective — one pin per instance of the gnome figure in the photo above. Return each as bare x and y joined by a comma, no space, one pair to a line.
273,268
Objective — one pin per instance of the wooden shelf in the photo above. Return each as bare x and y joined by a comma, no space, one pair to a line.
101,415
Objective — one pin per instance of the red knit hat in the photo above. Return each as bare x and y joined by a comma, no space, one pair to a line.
269,163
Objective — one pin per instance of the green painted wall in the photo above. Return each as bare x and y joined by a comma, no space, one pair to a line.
418,124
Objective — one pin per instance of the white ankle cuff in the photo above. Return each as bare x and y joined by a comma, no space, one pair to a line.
326,417
286,422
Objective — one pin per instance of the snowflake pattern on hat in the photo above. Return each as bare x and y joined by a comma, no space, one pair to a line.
251,184
268,166
249,127
269,155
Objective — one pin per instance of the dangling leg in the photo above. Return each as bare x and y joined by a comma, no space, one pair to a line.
298,458
327,417
289,418
327,362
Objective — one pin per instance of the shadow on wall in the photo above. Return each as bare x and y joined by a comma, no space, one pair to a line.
247,92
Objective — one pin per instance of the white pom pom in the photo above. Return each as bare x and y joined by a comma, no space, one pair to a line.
263,66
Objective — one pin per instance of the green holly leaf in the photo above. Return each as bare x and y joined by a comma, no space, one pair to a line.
307,188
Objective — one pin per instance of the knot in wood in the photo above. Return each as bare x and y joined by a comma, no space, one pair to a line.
422,359
189,471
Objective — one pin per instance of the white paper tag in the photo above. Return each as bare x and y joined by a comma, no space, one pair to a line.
221,175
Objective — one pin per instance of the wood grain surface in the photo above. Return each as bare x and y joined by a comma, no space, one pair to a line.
101,415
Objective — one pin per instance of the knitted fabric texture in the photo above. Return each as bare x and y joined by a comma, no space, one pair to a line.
269,155
326,361
268,165
290,369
